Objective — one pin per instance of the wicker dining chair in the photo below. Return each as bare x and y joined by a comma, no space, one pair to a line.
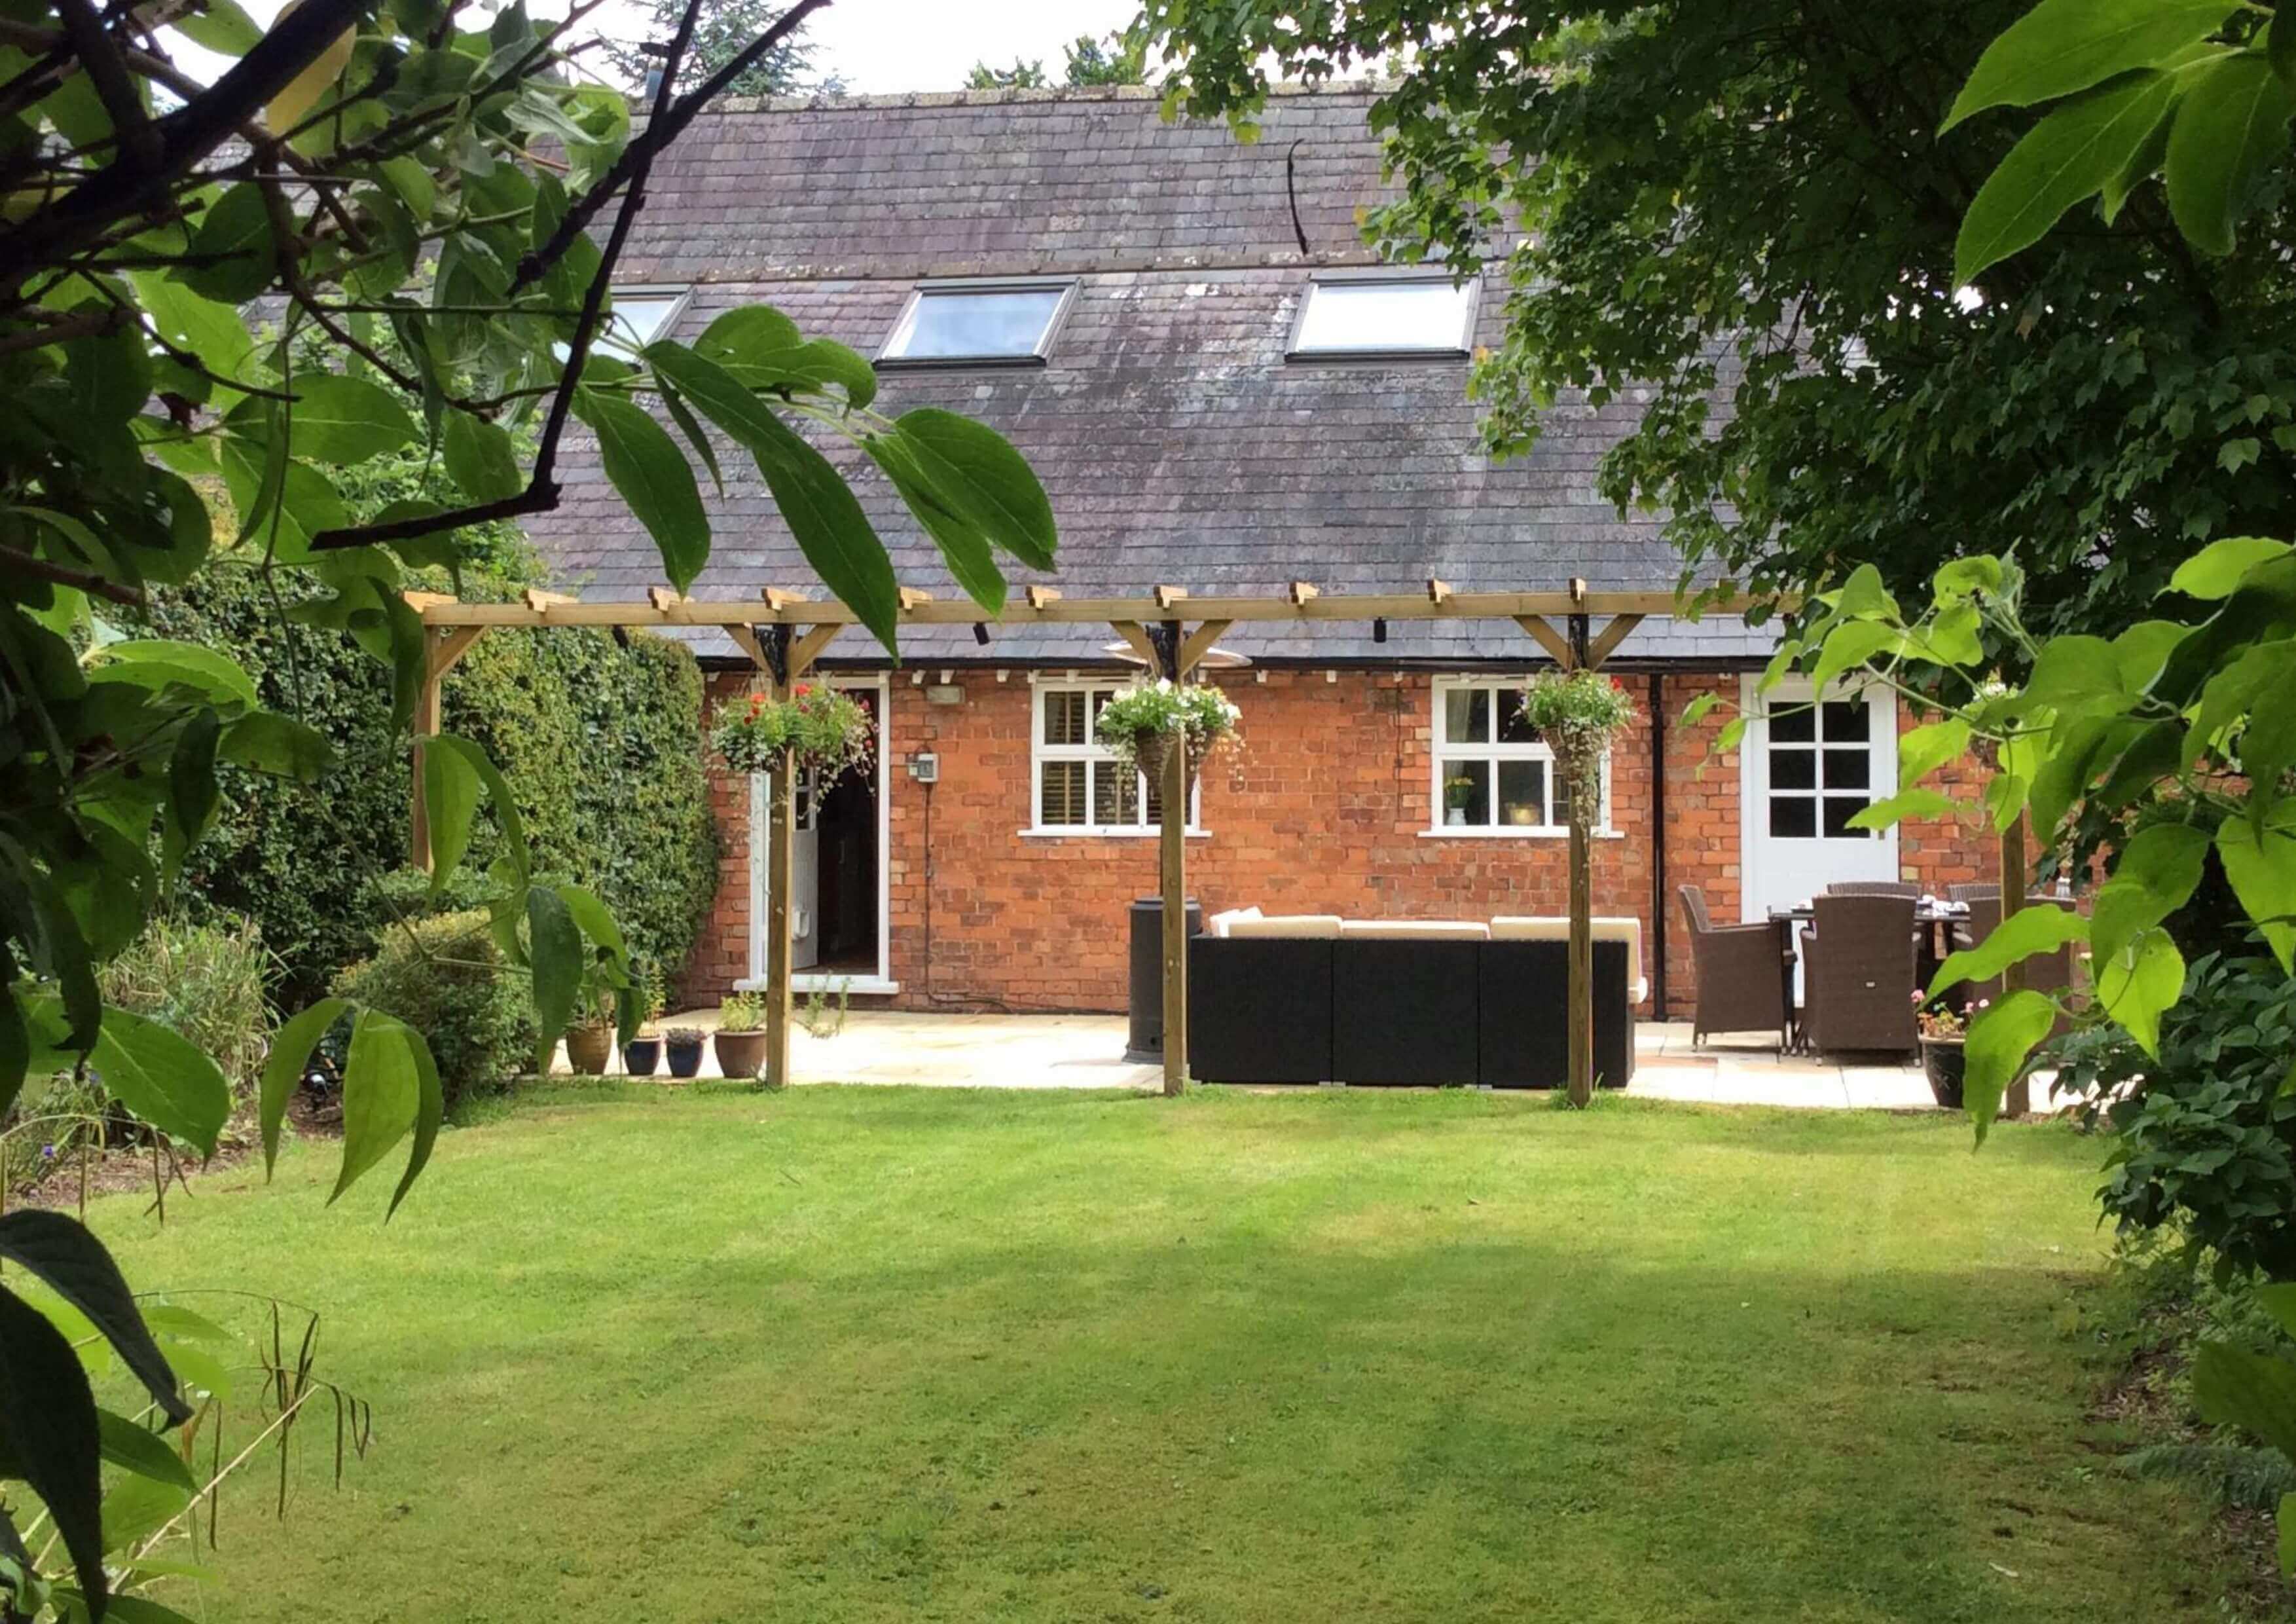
1742,973
1874,888
2049,972
1857,974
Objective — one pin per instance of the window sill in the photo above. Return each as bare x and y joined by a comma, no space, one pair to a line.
1103,834
1489,832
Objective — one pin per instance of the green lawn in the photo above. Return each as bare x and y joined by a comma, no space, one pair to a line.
879,1354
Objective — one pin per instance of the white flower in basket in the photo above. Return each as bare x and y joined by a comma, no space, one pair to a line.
1140,725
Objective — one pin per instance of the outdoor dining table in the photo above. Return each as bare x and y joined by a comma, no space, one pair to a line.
1937,916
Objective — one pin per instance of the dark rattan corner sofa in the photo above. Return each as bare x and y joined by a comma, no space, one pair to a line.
1314,999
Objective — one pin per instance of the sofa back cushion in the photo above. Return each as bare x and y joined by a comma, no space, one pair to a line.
1418,929
1316,927
1219,924
1605,928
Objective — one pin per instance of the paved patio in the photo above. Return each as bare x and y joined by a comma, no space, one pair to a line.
964,1051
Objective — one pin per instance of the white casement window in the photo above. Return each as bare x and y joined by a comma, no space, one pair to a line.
639,315
1079,787
1493,775
1385,313
957,323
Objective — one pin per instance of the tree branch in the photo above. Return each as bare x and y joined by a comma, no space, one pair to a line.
63,575
664,126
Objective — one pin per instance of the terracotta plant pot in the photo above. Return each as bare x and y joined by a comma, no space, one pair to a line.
642,1056
741,1053
684,1056
587,1048
1942,1062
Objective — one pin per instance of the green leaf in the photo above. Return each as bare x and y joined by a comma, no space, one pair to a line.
696,435
2031,931
1849,646
1922,750
2138,983
554,945
199,327
965,547
451,787
2238,454
74,1265
2217,569
139,1449
2155,874
2144,648
593,919
2260,864
430,1110
2231,127
2286,1518
382,1087
480,457
2278,1300
192,776
2062,47
2070,155
2256,1393
136,1508
764,350
976,471
219,26
234,246
2001,1037
1906,803
340,419
476,760
49,1429
279,745
814,499
291,1049
2076,672
647,468
154,663
163,1078
2280,51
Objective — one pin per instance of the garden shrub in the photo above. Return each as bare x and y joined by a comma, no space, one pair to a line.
601,743
208,981
445,976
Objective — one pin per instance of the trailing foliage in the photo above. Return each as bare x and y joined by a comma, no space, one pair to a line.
445,975
1136,725
1736,225
824,731
1578,714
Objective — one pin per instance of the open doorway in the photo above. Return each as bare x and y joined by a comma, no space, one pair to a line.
836,902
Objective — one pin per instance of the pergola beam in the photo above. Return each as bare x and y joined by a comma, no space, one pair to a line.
1042,607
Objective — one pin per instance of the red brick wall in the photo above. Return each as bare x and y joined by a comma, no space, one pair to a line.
1322,808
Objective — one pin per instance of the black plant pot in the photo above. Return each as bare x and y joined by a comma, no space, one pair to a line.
685,1057
641,1055
1942,1062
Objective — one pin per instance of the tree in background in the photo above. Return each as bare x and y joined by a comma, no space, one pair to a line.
1737,226
724,27
1120,59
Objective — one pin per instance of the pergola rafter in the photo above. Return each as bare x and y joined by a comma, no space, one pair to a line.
1169,631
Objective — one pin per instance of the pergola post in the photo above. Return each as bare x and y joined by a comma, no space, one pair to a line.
1172,662
1581,1071
2015,874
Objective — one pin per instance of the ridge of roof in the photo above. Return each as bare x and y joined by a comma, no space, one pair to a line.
1333,90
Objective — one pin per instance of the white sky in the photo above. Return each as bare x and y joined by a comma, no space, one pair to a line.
874,45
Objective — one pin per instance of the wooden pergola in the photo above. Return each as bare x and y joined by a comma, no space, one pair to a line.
783,633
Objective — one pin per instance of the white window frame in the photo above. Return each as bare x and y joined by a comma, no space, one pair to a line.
1091,750
889,354
1439,752
1294,351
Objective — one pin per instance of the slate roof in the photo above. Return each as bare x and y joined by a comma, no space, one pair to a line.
1177,442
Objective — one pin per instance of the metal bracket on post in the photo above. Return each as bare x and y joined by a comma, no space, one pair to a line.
1165,634
1579,660
774,644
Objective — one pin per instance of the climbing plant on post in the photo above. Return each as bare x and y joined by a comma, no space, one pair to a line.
1578,713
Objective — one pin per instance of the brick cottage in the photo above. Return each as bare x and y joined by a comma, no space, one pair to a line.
1222,389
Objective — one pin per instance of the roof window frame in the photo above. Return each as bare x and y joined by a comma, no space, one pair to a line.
1390,274
927,287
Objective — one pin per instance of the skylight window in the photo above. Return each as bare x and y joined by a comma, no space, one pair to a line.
956,322
1420,313
640,316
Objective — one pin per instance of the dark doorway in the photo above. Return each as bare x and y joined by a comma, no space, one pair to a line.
846,892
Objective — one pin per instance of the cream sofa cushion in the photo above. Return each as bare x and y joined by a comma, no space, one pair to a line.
1418,929
1219,924
1612,928
1314,926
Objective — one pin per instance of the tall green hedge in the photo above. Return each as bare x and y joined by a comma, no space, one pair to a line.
602,743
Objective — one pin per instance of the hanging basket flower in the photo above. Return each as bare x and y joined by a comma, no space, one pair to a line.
825,732
1141,725
1578,714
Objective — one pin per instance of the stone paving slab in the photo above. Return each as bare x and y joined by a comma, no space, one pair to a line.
969,1051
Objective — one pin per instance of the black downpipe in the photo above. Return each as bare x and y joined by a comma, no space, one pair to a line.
1658,845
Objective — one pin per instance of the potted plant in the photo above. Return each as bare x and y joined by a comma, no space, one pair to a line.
823,730
1942,1030
641,1055
1458,795
1141,724
684,1045
740,1034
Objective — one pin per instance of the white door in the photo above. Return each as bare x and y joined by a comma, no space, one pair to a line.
1808,766
805,890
